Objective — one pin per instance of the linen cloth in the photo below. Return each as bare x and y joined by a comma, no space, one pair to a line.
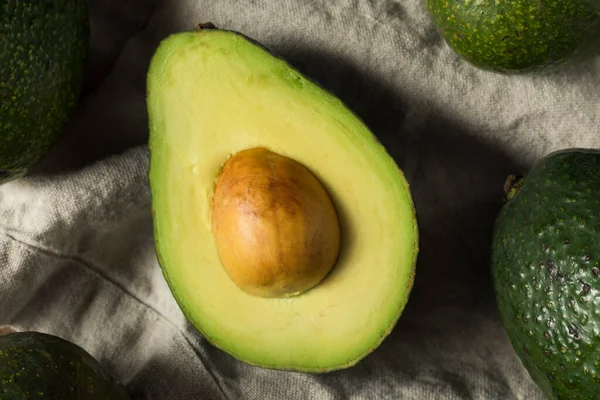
76,245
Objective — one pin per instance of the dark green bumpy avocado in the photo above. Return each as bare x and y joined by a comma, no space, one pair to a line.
35,366
546,270
519,36
43,45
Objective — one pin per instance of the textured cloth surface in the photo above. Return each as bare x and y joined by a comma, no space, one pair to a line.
76,246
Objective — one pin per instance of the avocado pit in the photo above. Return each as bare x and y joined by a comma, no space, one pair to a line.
276,229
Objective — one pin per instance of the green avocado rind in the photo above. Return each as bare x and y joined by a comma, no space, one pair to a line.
519,36
36,365
546,273
43,47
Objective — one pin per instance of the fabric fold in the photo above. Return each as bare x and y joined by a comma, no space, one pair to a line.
77,256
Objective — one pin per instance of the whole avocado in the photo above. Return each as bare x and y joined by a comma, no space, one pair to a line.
43,46
519,36
546,272
36,365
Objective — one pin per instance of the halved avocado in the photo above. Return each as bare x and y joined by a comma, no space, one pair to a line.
215,97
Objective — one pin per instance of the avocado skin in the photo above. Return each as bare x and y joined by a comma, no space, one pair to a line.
546,266
519,36
43,47
36,365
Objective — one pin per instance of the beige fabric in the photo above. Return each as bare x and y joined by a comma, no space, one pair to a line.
76,246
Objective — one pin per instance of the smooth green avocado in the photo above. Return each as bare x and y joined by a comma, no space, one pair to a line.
546,271
225,113
43,45
519,36
39,366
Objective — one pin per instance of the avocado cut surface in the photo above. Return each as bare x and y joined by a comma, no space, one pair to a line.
215,93
546,269
519,36
36,365
43,45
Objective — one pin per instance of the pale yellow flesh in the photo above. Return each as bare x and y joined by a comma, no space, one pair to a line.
212,94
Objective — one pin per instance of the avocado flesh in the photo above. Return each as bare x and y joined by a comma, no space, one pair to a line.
43,45
519,36
35,365
214,93
546,266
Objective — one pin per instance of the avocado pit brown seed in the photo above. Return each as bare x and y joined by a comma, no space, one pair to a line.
276,229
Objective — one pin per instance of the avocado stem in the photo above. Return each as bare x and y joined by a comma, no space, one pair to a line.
512,184
204,25
6,330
